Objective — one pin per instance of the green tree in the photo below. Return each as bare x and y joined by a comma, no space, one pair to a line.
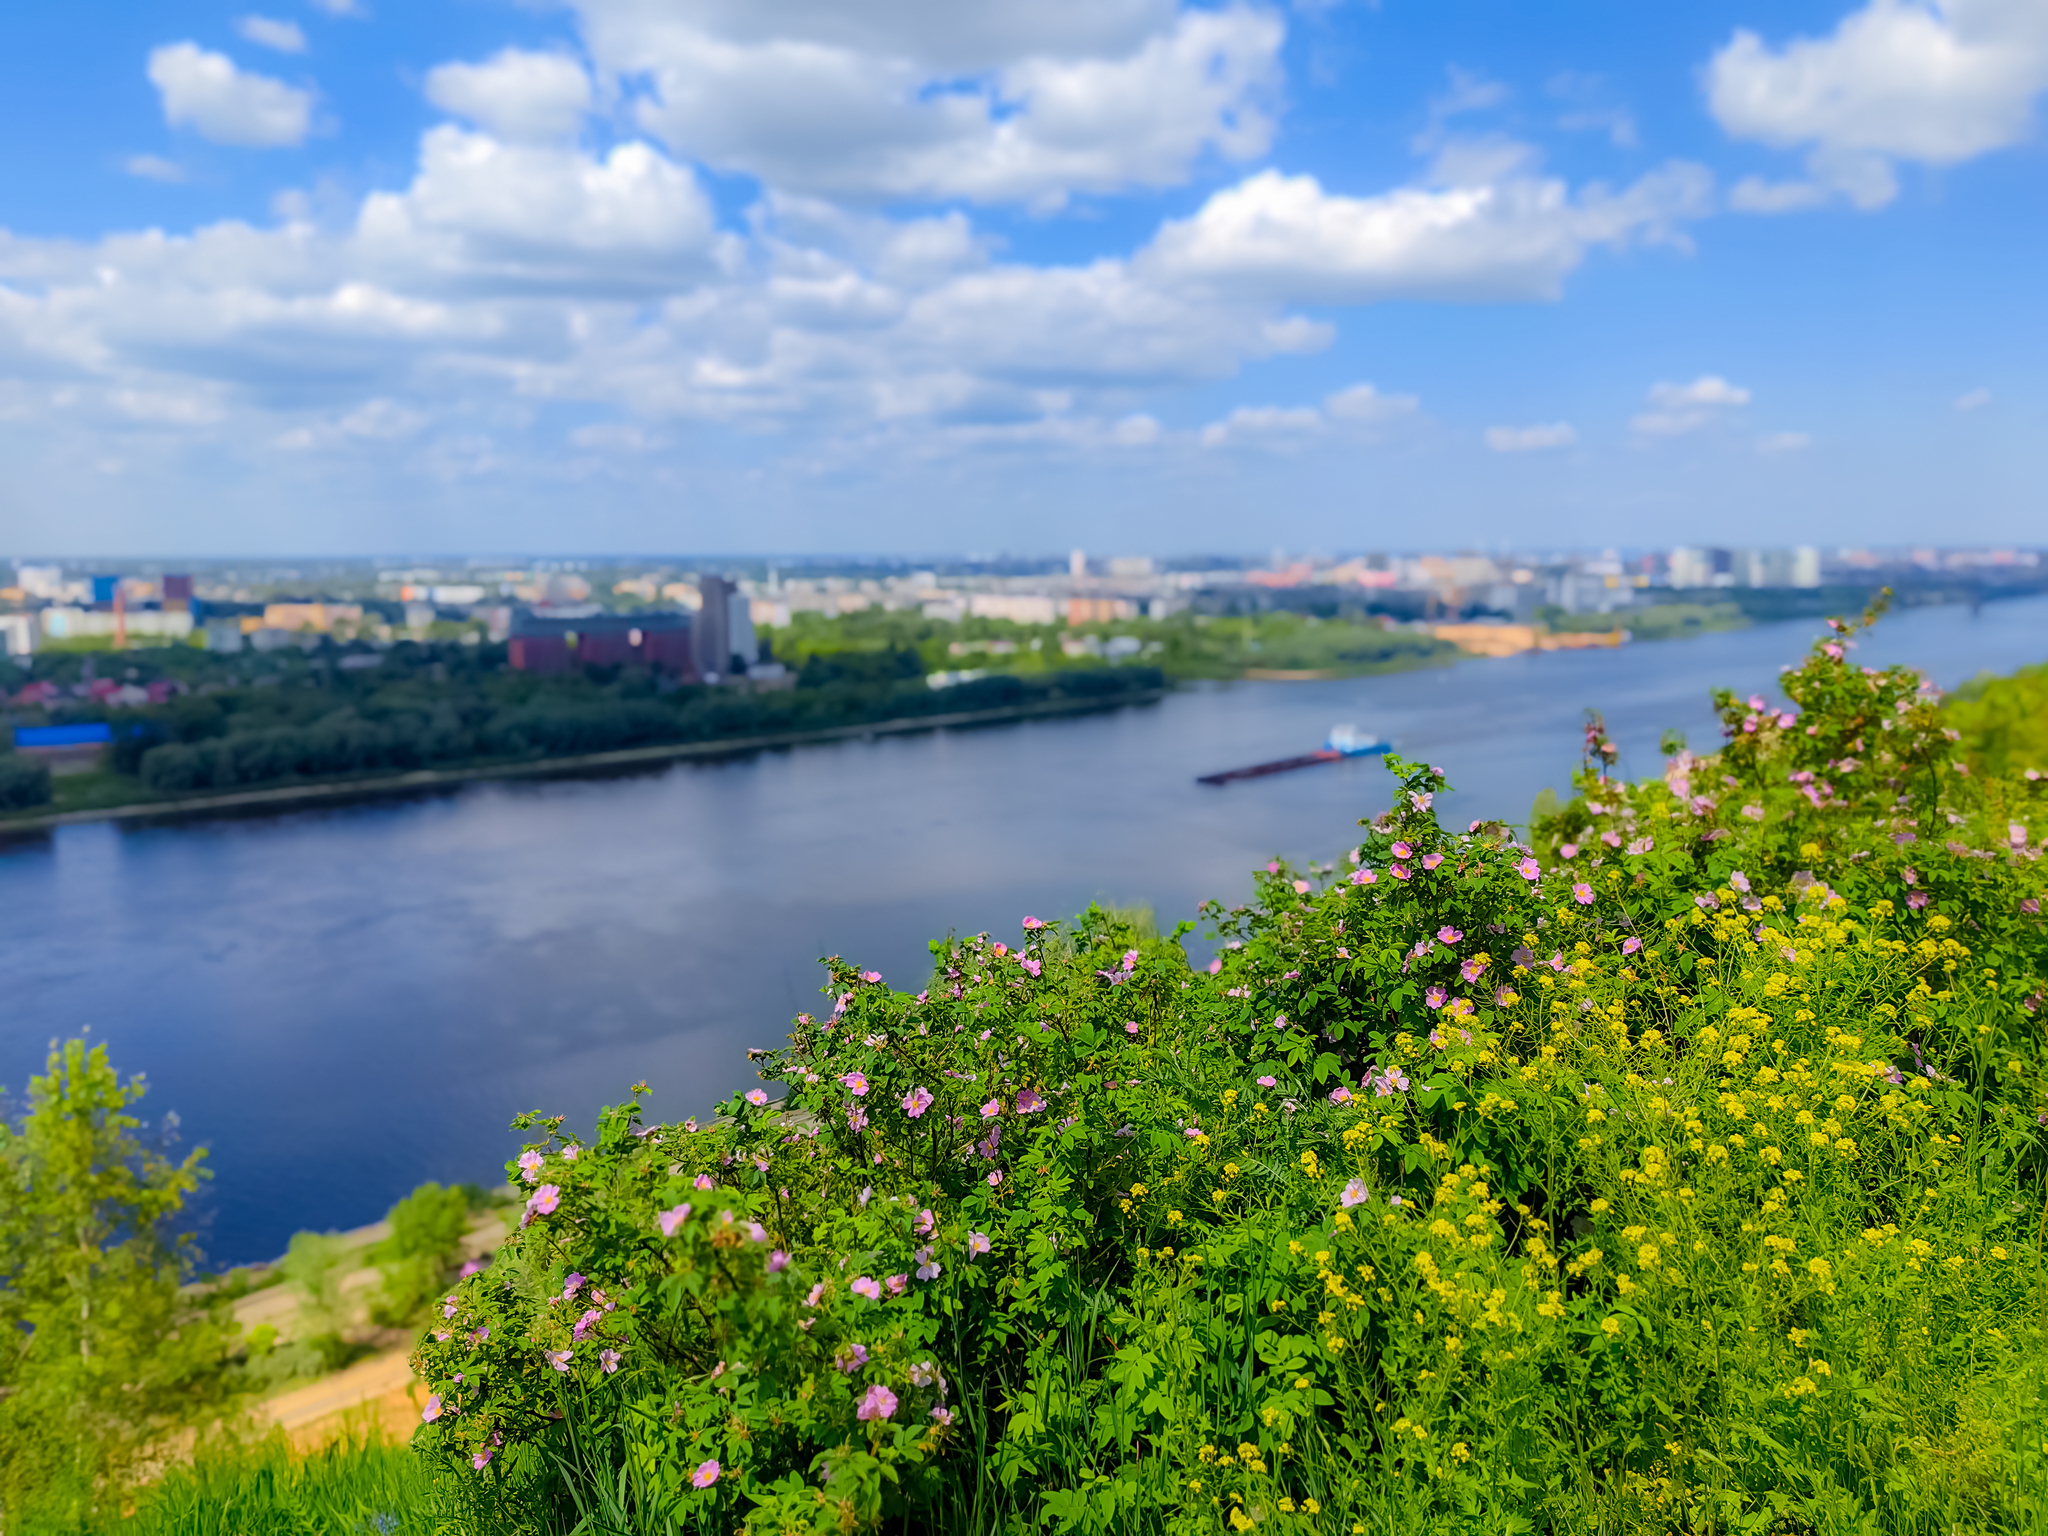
102,1354
426,1232
312,1264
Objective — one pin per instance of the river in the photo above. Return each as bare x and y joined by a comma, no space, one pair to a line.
342,1002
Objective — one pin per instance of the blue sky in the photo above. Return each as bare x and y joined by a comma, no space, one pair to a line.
928,275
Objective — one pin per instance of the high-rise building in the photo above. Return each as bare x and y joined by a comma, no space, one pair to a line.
711,633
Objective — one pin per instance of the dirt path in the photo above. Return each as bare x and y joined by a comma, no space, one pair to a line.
377,1393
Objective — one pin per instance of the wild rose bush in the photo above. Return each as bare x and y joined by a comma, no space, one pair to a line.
1681,1166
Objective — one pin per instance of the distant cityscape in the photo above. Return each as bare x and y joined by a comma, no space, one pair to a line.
705,617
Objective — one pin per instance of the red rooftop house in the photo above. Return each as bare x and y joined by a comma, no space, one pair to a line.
602,640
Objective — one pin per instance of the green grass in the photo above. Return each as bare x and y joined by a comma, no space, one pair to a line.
261,1488
356,1487
95,790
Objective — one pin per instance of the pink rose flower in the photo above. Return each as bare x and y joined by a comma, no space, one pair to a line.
916,1102
705,1475
672,1218
1582,893
880,1403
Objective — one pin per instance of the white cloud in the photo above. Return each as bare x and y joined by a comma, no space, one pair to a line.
515,279
1518,238
1753,194
177,408
374,421
1277,426
1556,434
1466,93
1682,408
1270,424
1708,389
1774,443
1929,81
1363,403
205,92
515,94
538,215
1591,110
350,8
981,100
612,437
284,36
1974,400
154,168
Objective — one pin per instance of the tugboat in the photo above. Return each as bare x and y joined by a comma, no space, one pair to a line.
1350,741
1342,742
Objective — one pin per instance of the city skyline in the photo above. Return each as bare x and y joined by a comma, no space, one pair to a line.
340,279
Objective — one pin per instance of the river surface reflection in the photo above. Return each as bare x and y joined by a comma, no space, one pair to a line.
345,1001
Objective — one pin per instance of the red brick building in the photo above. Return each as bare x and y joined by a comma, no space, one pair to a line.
603,640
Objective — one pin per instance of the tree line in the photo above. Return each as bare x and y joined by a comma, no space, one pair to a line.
346,742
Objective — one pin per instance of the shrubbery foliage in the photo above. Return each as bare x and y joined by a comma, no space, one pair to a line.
1682,1167
24,783
2004,720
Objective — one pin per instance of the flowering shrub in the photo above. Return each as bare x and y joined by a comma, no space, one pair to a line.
1678,1167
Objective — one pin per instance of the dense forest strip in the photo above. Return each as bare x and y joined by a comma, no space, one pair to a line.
377,786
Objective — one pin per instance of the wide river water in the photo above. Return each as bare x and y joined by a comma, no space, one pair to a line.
345,1001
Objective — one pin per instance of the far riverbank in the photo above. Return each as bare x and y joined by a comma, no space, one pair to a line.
423,781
